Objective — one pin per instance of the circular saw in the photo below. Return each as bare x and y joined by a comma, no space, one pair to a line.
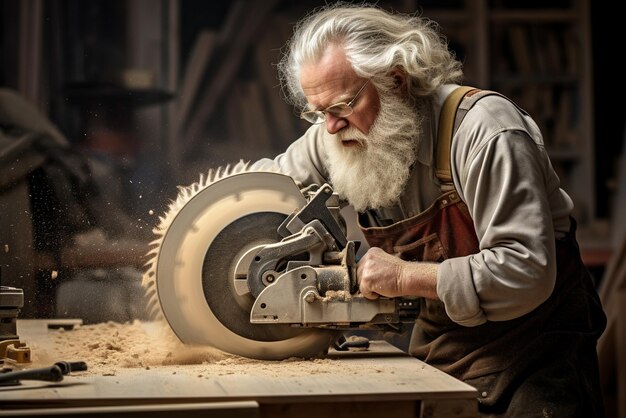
249,263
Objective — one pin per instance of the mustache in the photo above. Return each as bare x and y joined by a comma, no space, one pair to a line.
352,134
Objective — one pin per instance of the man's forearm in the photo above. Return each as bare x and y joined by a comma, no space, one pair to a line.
419,279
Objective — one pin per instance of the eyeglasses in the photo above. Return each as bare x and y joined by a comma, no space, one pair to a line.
338,110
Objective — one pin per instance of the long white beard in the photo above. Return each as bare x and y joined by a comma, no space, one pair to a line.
373,174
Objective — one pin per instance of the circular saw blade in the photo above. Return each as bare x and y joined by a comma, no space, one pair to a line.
196,257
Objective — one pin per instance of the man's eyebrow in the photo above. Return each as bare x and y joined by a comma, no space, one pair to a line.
343,98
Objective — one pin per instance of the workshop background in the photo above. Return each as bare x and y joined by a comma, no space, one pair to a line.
107,105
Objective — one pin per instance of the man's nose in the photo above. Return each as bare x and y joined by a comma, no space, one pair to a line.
334,124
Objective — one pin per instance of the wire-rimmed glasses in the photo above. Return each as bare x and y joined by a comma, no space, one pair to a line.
338,110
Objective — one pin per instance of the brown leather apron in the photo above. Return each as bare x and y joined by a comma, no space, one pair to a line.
498,357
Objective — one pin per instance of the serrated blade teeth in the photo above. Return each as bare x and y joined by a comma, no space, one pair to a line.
185,194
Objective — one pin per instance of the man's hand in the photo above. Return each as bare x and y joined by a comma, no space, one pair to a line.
378,274
382,274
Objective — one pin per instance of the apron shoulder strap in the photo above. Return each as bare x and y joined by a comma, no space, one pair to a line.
454,109
445,131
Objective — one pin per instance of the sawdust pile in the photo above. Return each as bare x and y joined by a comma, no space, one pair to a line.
112,345
111,348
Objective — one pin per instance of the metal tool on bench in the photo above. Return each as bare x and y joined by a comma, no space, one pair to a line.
54,373
11,348
13,352
249,263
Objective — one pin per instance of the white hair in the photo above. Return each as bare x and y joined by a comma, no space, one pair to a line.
376,42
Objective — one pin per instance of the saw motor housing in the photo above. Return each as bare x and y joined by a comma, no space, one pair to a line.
308,279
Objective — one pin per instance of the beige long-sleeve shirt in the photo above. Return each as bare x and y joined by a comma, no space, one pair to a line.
502,171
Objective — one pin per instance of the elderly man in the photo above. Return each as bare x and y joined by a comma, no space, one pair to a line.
484,237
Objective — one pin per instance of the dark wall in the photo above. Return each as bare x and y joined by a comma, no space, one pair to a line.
610,105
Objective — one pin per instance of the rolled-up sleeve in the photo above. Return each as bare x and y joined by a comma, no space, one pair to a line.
504,178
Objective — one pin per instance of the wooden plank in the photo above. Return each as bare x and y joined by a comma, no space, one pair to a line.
30,53
584,177
242,409
618,223
381,377
172,69
267,54
620,349
612,343
248,22
609,296
401,409
259,135
614,276
197,64
520,47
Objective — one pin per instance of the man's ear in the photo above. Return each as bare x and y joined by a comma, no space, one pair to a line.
399,79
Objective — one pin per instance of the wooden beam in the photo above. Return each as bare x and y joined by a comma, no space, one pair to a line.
620,349
245,21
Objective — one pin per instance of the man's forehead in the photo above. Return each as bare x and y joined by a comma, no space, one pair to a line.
331,76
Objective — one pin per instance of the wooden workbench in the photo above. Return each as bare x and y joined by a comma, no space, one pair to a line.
382,381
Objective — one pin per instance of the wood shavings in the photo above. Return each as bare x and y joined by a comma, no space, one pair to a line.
111,349
336,295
